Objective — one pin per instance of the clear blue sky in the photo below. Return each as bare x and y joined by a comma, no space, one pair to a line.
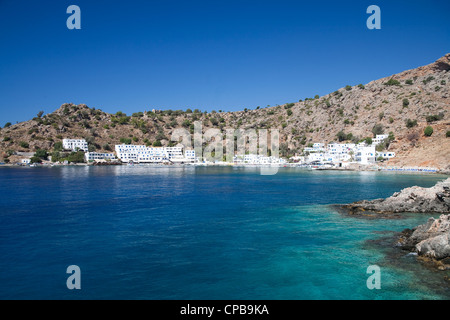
139,55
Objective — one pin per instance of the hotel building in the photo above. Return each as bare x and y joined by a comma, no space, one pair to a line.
142,154
75,144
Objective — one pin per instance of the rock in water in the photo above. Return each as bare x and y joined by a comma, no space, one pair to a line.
415,199
430,240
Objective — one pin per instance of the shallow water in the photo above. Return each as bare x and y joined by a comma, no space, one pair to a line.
201,233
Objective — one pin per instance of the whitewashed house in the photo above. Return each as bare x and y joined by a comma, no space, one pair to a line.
365,155
379,138
95,156
143,154
75,144
385,154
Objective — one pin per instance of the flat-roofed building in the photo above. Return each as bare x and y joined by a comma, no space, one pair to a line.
96,156
143,154
75,144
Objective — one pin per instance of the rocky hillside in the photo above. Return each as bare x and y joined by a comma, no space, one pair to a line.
404,104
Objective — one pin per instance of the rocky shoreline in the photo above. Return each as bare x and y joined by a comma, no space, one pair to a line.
429,241
414,199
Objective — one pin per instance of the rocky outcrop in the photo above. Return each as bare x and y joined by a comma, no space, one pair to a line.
414,199
429,241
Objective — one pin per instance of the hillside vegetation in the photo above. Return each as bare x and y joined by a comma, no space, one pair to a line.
403,104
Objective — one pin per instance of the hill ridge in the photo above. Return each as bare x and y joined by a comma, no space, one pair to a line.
420,95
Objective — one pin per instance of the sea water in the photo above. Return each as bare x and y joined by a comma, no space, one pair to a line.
145,232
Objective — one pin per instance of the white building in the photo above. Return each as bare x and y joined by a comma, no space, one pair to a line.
347,152
317,147
385,154
95,156
75,144
25,161
365,155
379,138
143,154
190,155
257,159
341,151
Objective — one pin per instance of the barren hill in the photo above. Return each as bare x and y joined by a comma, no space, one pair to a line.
404,104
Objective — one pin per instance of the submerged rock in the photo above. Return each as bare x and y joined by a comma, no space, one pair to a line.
414,199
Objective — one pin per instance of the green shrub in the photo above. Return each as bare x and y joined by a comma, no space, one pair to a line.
125,140
447,134
124,120
214,121
289,112
58,146
428,131
392,82
411,123
24,144
341,136
409,82
76,157
290,105
434,117
157,143
40,153
377,129
430,78
405,103
8,124
348,87
35,159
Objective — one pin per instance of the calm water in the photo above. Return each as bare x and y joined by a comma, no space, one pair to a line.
200,233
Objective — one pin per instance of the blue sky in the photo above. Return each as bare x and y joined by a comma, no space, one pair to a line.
230,55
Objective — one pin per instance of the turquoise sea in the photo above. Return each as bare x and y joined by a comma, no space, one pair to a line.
147,232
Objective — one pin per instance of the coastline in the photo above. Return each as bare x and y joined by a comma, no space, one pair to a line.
429,243
359,168
435,200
